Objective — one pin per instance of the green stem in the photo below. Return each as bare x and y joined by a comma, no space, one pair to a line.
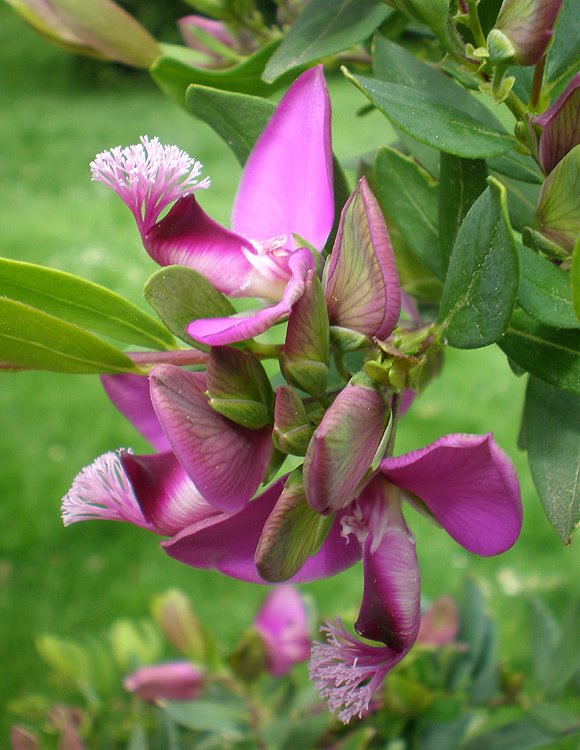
395,404
516,106
264,351
177,357
536,92
475,23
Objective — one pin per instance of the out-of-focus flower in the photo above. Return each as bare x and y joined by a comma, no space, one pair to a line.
218,46
173,681
439,624
282,623
560,125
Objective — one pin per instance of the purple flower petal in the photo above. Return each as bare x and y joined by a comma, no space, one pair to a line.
222,331
469,485
226,462
228,544
283,624
166,495
362,286
188,26
173,681
561,126
286,185
528,26
130,394
187,236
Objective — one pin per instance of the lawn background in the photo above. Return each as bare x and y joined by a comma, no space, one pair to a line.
53,121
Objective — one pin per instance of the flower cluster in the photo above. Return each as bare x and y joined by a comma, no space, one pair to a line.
221,434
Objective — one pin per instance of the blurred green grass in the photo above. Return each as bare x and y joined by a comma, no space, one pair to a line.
77,580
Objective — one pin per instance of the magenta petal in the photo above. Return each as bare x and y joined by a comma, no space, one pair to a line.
130,394
228,544
561,123
283,624
226,462
286,185
173,681
222,331
187,236
469,485
166,495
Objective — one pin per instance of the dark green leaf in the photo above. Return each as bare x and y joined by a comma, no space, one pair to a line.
553,443
517,166
228,719
180,295
461,182
173,75
237,118
520,735
551,354
566,662
323,28
32,339
393,64
482,281
565,51
555,719
430,121
408,196
443,735
545,291
522,199
81,302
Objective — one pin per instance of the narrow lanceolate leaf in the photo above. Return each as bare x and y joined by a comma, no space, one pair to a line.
558,211
482,280
461,182
32,339
443,126
238,387
361,283
408,197
323,28
545,292
551,354
173,75
292,534
553,443
81,302
237,118
180,295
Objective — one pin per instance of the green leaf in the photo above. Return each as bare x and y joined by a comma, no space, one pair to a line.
482,281
553,444
550,354
292,533
81,302
461,182
237,118
443,126
546,634
323,28
32,339
517,166
566,663
522,199
228,719
393,64
545,293
575,278
408,196
180,295
519,735
173,75
565,50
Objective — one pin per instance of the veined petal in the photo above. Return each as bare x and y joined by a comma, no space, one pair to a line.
225,461
561,126
286,185
361,283
222,331
168,498
469,485
228,544
528,24
187,236
130,394
102,491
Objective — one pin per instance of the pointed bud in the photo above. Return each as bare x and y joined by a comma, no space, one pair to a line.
558,211
173,681
344,446
561,126
173,613
238,387
305,357
292,533
292,428
361,283
528,27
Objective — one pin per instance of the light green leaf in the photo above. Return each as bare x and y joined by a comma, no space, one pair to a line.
228,719
558,211
34,340
483,276
323,28
553,443
461,182
443,126
545,291
81,302
180,295
408,196
551,354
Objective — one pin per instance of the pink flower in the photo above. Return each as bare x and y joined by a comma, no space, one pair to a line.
173,681
283,624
